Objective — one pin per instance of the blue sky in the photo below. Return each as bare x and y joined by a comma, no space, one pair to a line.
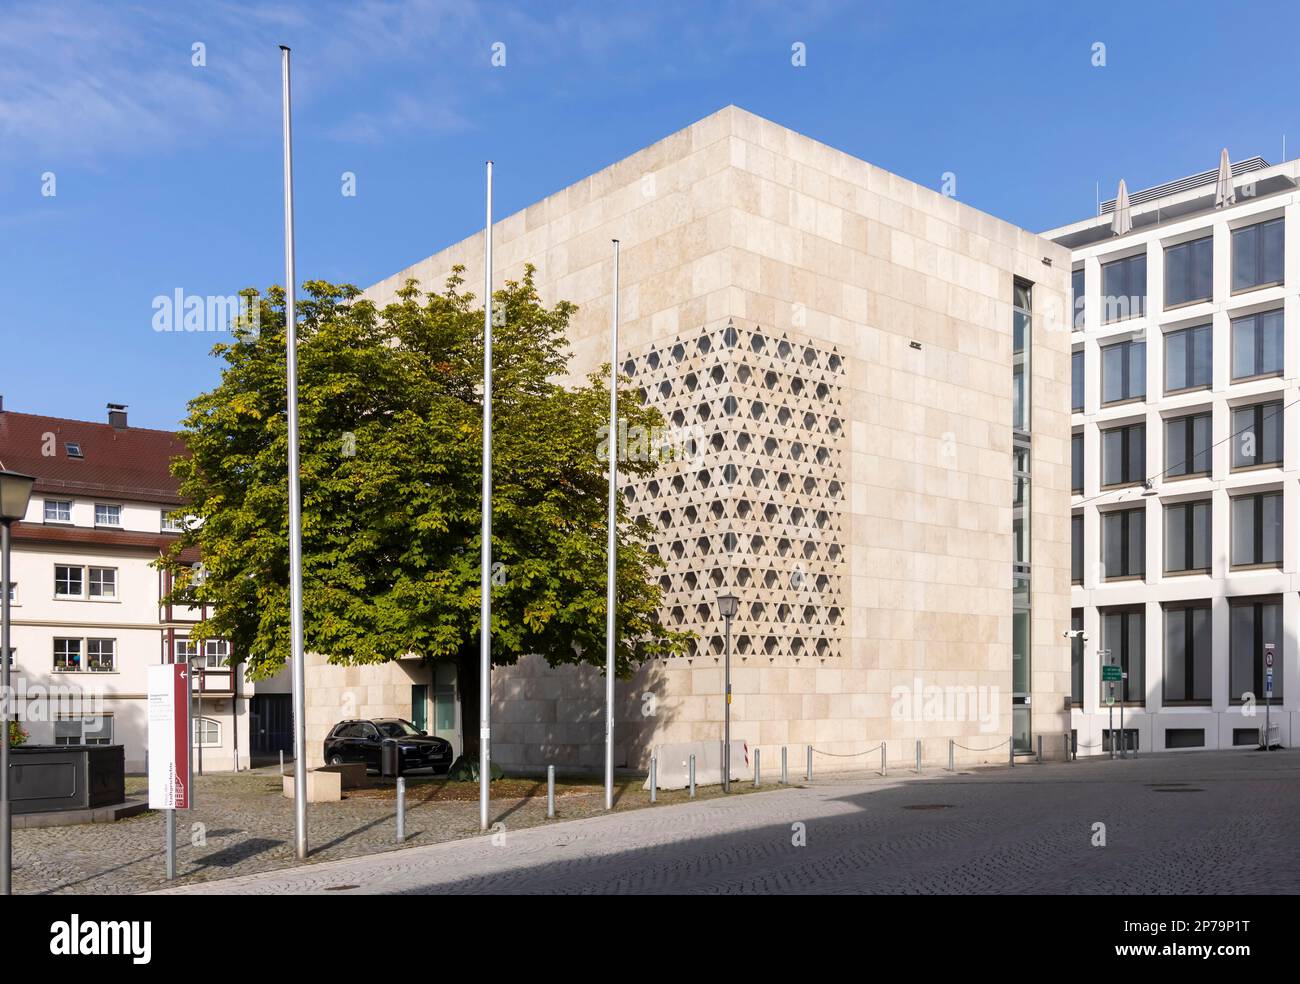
168,175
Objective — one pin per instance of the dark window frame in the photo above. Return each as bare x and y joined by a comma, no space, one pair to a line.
1258,328
1126,432
1187,610
1260,418
1125,517
1076,548
1260,255
1257,603
1077,474
1192,248
1126,267
1189,361
1125,657
1189,452
1188,508
1130,395
1257,550
1077,381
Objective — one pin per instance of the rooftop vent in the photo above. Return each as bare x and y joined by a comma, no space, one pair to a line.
1186,184
117,414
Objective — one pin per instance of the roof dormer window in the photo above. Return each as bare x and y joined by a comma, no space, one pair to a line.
74,449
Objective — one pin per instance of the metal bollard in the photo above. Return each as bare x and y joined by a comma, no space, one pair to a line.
692,777
882,758
757,766
918,756
1011,750
282,761
1066,736
785,772
810,763
550,790
654,779
1040,749
401,809
951,742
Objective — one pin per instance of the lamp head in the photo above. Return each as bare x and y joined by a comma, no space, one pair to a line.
15,493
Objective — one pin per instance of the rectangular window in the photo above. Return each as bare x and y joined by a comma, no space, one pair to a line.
1124,455
1252,624
1076,297
1189,272
84,730
1245,736
1124,371
1187,653
215,652
1076,548
1123,634
1126,740
101,655
67,655
1076,463
1123,542
1187,537
1187,445
207,731
1124,289
1076,658
1257,529
1076,382
1257,255
102,582
68,581
1257,345
172,523
186,651
1184,738
58,510
1189,358
1257,435
107,515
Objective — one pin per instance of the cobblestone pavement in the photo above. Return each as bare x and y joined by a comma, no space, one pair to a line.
1196,823
242,823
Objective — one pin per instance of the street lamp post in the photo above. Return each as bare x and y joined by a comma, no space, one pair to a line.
728,604
15,493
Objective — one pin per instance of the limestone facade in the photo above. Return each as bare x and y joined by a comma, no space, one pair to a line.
846,375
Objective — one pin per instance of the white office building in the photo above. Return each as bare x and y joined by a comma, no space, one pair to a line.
1186,454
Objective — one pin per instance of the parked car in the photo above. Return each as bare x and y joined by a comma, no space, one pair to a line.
362,741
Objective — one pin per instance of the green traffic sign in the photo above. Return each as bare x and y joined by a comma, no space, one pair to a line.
1109,673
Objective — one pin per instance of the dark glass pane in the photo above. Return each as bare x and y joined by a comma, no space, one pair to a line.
1176,538
1176,360
1244,250
1243,529
1112,373
1076,381
1201,534
1271,527
1201,443
1270,341
1245,351
1241,647
1201,640
1271,247
1176,461
1245,442
1175,654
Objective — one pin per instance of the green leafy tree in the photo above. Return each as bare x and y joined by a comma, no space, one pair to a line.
390,418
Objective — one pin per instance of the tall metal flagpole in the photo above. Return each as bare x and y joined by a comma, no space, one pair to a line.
611,545
295,495
485,575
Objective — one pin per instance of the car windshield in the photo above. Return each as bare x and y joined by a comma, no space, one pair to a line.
396,728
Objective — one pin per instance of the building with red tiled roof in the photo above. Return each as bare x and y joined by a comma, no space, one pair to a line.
88,617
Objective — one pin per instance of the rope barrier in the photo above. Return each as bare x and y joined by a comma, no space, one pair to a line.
966,748
847,755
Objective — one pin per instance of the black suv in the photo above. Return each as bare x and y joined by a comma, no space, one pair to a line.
361,741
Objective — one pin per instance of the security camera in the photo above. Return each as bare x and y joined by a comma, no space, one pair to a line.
1076,634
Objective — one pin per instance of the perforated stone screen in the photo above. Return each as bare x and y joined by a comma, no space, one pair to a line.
750,493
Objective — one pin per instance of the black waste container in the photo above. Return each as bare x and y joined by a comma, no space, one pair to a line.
390,758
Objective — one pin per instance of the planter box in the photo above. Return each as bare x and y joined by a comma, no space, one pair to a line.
46,778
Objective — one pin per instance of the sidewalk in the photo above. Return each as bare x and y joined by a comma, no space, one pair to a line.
1210,822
